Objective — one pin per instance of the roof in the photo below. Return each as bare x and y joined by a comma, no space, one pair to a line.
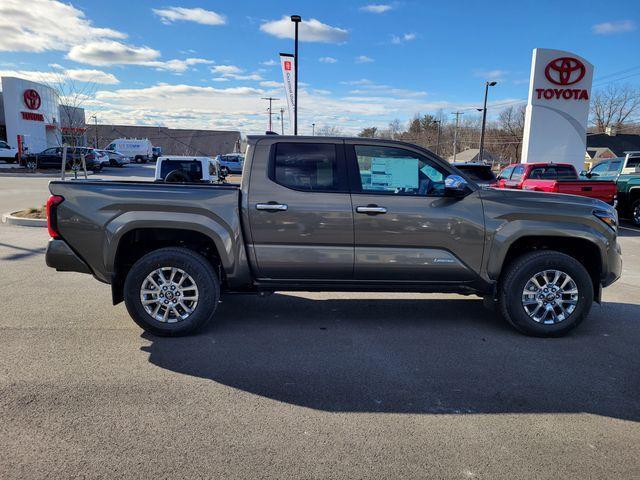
470,155
618,144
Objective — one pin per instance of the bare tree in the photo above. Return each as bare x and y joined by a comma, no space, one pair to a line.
329,131
511,122
369,132
613,106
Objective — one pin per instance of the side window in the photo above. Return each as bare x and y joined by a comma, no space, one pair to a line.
600,169
307,166
394,170
505,174
3,145
517,173
614,166
111,147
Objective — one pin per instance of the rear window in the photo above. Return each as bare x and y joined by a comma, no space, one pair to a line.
555,172
307,166
192,170
478,173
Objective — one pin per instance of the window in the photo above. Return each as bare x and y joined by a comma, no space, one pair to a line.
566,172
394,170
517,173
189,170
506,173
555,172
307,166
633,163
4,144
600,169
477,173
50,151
614,166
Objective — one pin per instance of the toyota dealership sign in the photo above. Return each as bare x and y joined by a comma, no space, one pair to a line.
558,108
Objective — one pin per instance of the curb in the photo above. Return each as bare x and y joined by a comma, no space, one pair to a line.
11,219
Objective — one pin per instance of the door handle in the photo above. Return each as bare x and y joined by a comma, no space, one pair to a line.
371,209
271,207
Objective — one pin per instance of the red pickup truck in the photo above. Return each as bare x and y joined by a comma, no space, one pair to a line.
555,178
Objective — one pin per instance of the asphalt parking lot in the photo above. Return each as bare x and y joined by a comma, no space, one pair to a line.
301,385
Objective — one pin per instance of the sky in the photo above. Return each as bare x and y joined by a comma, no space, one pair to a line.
207,64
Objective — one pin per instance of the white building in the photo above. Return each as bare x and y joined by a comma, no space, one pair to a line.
33,110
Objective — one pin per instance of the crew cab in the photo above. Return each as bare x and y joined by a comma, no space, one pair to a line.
335,214
555,178
625,172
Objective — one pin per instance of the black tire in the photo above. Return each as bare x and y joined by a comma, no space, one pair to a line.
12,160
113,163
225,170
515,279
635,213
196,266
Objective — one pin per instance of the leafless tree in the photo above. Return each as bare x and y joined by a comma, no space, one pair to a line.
511,123
329,131
613,106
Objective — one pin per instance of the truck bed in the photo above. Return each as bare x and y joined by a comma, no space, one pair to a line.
601,190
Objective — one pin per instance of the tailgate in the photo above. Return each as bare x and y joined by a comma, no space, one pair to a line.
601,190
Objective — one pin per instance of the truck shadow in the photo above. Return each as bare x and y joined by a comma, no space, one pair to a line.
411,356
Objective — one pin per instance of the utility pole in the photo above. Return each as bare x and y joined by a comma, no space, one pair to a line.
439,122
296,19
455,134
313,129
484,119
271,99
95,132
281,121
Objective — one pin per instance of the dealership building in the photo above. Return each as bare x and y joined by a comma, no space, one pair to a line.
32,112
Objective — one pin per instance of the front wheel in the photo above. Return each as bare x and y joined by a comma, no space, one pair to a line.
635,213
545,293
172,291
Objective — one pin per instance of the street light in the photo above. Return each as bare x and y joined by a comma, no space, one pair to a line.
95,132
484,118
296,19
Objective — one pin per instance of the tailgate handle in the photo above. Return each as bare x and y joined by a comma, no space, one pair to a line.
371,209
587,189
271,207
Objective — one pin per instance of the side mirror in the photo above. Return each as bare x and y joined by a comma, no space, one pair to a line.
455,185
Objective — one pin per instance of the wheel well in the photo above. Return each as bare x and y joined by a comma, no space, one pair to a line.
586,252
138,242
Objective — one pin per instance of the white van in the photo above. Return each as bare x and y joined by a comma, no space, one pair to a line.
139,150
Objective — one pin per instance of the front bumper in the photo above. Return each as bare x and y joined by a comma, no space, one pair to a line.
614,265
60,256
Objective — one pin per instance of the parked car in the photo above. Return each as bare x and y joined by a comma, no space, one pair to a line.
185,169
115,159
52,158
8,153
157,153
625,172
554,178
478,172
323,213
231,163
139,150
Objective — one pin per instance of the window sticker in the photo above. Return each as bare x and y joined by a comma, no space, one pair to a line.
391,174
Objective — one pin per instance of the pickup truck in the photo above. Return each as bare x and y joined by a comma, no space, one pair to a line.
625,172
554,178
335,214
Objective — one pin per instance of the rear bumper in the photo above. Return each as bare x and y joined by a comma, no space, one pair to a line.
60,256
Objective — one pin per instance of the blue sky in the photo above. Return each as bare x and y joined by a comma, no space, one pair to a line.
206,64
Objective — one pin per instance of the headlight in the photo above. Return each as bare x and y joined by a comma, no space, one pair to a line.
611,219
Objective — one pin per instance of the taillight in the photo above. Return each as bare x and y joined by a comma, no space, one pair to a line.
52,218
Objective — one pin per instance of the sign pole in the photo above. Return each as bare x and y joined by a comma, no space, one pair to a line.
296,19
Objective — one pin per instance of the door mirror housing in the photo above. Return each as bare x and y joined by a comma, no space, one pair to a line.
455,186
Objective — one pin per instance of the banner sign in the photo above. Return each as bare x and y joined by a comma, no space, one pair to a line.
287,62
555,128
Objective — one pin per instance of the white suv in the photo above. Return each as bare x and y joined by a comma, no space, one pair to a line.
7,153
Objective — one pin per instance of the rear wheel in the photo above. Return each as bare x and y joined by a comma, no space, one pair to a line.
635,213
545,293
171,291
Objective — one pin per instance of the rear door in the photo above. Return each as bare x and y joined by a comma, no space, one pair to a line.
406,228
515,181
299,210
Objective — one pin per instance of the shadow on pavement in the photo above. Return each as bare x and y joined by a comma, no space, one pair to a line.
23,252
411,356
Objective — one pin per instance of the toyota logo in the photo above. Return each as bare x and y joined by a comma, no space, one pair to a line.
32,99
565,71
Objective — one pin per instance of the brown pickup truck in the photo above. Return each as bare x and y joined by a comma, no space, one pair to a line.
335,214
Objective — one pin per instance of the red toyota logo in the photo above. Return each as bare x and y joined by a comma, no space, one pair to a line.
32,99
565,71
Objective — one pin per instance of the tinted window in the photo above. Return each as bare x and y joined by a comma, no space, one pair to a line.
478,173
566,173
4,145
615,166
633,162
601,168
394,170
517,173
506,173
191,170
307,166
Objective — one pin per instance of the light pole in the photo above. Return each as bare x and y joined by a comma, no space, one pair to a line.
313,129
95,132
484,118
271,99
455,134
296,19
282,121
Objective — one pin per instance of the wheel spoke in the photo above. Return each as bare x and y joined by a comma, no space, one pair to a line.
544,298
162,294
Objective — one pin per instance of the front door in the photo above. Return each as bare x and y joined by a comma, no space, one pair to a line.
406,228
300,213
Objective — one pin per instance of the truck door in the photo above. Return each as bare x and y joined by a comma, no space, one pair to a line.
299,209
406,228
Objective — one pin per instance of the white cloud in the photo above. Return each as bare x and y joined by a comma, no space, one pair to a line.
376,8
406,37
327,60
42,25
608,28
110,52
61,75
496,74
271,84
363,59
269,63
234,72
310,30
362,81
197,15
225,69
